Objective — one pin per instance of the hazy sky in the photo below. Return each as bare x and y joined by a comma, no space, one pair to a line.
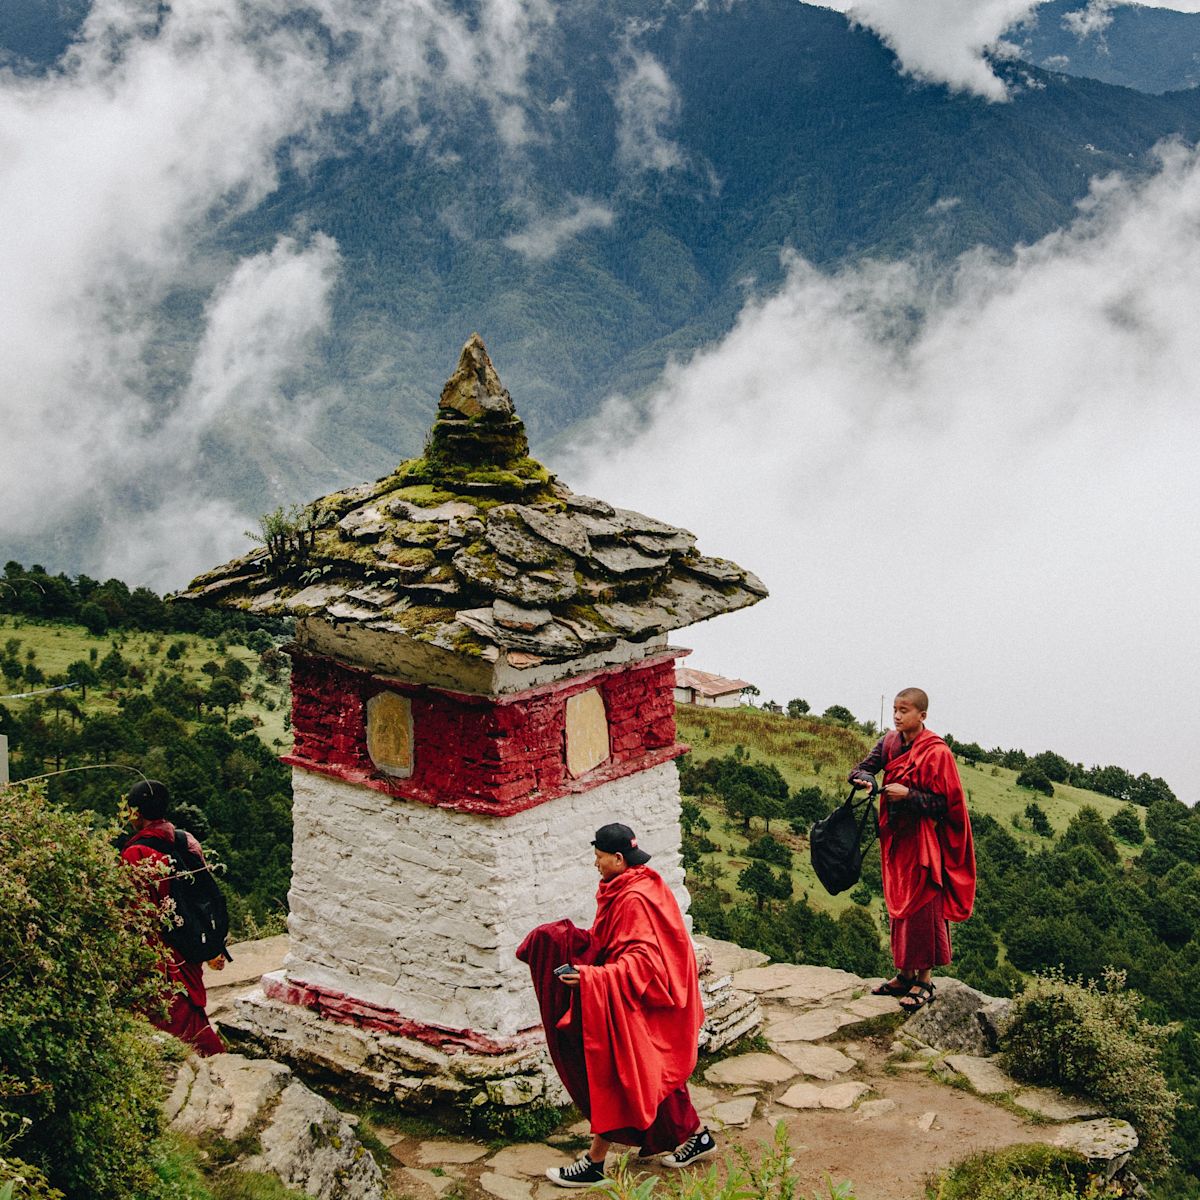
1001,508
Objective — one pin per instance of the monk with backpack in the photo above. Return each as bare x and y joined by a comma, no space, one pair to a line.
925,843
195,921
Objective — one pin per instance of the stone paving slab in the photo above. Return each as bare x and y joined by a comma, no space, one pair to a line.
436,1183
438,1153
1054,1106
809,1026
868,1110
836,1096
981,1073
869,1006
1105,1139
817,983
505,1188
819,1062
750,1069
738,1112
527,1158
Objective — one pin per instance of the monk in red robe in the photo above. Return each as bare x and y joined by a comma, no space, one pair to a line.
928,855
187,996
621,1008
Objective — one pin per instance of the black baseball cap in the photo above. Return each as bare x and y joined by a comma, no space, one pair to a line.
150,798
620,839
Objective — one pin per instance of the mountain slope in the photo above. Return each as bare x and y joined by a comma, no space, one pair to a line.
775,126
1151,49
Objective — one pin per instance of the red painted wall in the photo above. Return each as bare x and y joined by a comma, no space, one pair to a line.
481,754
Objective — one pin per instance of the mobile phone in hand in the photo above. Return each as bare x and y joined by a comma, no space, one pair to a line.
565,969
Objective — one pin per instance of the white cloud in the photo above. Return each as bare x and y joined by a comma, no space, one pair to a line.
258,328
1095,18
1000,507
545,236
949,41
113,167
647,104
942,41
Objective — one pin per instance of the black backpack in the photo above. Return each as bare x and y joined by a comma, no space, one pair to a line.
201,920
835,843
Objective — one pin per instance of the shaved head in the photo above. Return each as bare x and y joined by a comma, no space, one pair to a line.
915,697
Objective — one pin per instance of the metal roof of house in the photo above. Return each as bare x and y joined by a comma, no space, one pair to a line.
707,684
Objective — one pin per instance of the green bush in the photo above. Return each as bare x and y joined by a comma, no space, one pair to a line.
1019,1173
1092,1040
1127,825
22,1181
1038,780
76,948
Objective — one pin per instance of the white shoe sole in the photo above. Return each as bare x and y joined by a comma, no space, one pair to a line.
679,1166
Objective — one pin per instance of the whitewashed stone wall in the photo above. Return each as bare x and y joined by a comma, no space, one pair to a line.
420,910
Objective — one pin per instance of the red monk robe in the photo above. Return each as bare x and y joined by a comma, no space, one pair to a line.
926,859
186,1018
639,1006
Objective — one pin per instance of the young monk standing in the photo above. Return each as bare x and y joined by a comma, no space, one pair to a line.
928,854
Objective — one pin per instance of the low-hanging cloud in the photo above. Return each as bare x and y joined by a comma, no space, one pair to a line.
953,42
943,41
114,167
544,237
647,104
980,482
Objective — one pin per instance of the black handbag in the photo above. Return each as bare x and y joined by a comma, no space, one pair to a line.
835,843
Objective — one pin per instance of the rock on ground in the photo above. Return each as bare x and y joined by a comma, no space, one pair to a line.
305,1142
960,1020
749,1069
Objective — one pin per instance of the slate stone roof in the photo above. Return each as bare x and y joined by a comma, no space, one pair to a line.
476,548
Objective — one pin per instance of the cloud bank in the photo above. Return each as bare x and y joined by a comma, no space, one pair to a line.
943,41
116,164
981,483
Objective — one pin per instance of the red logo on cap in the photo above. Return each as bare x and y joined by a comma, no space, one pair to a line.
633,843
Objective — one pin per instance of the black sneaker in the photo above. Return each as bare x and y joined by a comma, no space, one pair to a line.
699,1145
581,1173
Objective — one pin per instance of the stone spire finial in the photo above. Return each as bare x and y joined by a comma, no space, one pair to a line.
477,424
475,388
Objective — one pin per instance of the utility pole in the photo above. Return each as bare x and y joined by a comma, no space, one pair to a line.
881,704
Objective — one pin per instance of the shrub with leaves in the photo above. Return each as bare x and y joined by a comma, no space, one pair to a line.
76,960
1091,1039
1021,1173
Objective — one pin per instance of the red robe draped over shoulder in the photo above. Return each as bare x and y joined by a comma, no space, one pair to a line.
922,856
641,1005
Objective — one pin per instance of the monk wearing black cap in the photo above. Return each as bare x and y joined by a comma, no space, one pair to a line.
621,1008
186,1017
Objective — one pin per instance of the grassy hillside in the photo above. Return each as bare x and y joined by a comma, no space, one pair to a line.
55,646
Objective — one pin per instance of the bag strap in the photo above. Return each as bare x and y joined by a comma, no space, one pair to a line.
868,807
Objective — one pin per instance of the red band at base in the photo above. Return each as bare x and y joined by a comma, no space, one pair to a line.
337,1006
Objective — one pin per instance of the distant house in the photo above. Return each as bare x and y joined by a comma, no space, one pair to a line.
713,691
771,707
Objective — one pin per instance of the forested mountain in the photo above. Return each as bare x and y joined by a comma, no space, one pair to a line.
779,126
1151,49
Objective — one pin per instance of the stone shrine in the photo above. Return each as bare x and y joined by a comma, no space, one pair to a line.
481,678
